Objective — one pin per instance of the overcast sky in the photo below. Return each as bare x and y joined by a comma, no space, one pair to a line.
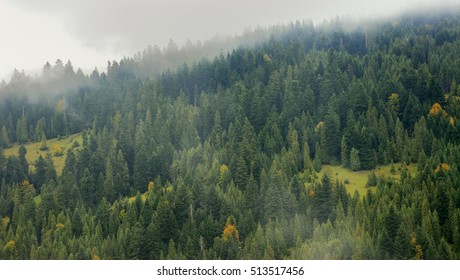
91,32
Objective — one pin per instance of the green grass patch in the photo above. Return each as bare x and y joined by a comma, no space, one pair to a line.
131,199
34,152
357,179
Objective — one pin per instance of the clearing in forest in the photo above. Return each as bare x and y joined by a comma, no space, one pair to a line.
54,145
357,180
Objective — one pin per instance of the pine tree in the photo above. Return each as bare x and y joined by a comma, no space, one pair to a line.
152,244
294,147
367,155
88,188
166,222
355,163
43,144
317,161
22,135
121,175
135,243
39,177
331,141
344,153
141,173
5,137
241,173
22,159
324,199
403,249
256,245
109,186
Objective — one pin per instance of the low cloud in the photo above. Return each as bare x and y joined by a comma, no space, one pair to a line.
91,32
132,25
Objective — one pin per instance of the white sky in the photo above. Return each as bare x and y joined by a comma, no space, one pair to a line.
91,32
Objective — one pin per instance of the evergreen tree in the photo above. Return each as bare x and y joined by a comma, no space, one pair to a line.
22,159
39,177
355,163
324,199
331,140
88,188
5,137
344,153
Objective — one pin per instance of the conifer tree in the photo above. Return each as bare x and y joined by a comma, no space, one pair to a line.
344,153
355,163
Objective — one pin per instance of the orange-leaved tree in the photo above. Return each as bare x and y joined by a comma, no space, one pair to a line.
443,166
230,230
436,109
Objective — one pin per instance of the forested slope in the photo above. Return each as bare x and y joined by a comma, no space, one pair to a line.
221,155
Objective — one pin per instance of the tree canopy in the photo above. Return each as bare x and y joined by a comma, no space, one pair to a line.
217,158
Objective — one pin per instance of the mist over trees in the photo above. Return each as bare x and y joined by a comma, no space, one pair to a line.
217,158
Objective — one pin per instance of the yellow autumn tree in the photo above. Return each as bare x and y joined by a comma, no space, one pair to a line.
58,151
26,186
267,58
95,254
223,169
319,126
452,121
443,166
60,226
417,248
437,109
122,214
224,174
25,183
151,186
168,189
9,250
5,222
230,230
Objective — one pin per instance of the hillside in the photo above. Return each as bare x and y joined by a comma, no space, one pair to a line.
254,154
54,146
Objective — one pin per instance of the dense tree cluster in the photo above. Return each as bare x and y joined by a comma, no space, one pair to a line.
218,159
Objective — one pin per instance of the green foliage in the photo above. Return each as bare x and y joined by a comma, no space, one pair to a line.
324,199
217,159
344,153
43,144
5,138
371,180
355,162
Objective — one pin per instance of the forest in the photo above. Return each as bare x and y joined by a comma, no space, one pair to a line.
188,157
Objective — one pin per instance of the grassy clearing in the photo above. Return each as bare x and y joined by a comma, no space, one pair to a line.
131,199
357,180
34,152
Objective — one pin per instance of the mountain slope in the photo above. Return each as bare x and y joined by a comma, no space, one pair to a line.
227,151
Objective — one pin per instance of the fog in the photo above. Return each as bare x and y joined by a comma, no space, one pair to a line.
90,33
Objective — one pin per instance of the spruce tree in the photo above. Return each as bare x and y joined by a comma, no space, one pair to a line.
344,153
355,163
